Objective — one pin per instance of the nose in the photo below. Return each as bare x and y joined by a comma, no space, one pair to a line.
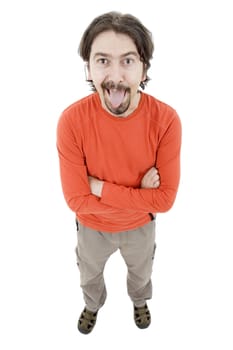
115,73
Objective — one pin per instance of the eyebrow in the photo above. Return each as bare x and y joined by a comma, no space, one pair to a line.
102,54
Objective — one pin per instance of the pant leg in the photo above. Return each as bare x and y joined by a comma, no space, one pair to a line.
138,248
93,250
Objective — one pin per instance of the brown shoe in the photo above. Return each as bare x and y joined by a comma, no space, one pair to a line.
142,316
87,321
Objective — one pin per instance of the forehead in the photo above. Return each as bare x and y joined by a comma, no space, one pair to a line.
112,43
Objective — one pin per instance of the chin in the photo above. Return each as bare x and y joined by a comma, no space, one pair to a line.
120,110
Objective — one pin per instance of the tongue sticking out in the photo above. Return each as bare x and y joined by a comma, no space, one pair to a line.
116,97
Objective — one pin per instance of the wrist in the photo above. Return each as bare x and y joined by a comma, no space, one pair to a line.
96,186
100,188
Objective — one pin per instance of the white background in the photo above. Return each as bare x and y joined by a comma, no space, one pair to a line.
40,75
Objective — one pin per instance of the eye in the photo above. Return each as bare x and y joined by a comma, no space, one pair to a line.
128,61
102,61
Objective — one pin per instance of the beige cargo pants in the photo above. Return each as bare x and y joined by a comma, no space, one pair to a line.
137,248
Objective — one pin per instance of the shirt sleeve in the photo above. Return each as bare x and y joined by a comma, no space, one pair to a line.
73,171
168,165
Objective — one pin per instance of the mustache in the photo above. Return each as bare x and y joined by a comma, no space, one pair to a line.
108,85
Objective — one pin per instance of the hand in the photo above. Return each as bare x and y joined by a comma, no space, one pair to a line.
151,179
96,186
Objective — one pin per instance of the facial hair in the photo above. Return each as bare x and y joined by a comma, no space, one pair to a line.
109,88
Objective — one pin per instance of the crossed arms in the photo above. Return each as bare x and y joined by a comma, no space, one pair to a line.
150,180
85,194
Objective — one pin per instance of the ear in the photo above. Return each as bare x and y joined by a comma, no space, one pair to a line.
144,74
87,72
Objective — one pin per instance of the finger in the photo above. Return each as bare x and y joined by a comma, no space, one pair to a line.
150,172
156,184
156,177
153,174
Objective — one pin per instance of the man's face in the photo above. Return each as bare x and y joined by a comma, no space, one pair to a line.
116,71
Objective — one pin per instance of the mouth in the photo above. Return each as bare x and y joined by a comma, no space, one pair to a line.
116,96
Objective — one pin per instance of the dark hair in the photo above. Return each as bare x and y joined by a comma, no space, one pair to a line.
120,23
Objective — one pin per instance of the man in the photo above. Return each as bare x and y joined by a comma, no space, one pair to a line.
119,152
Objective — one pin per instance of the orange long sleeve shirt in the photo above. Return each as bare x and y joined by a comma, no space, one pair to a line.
119,151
